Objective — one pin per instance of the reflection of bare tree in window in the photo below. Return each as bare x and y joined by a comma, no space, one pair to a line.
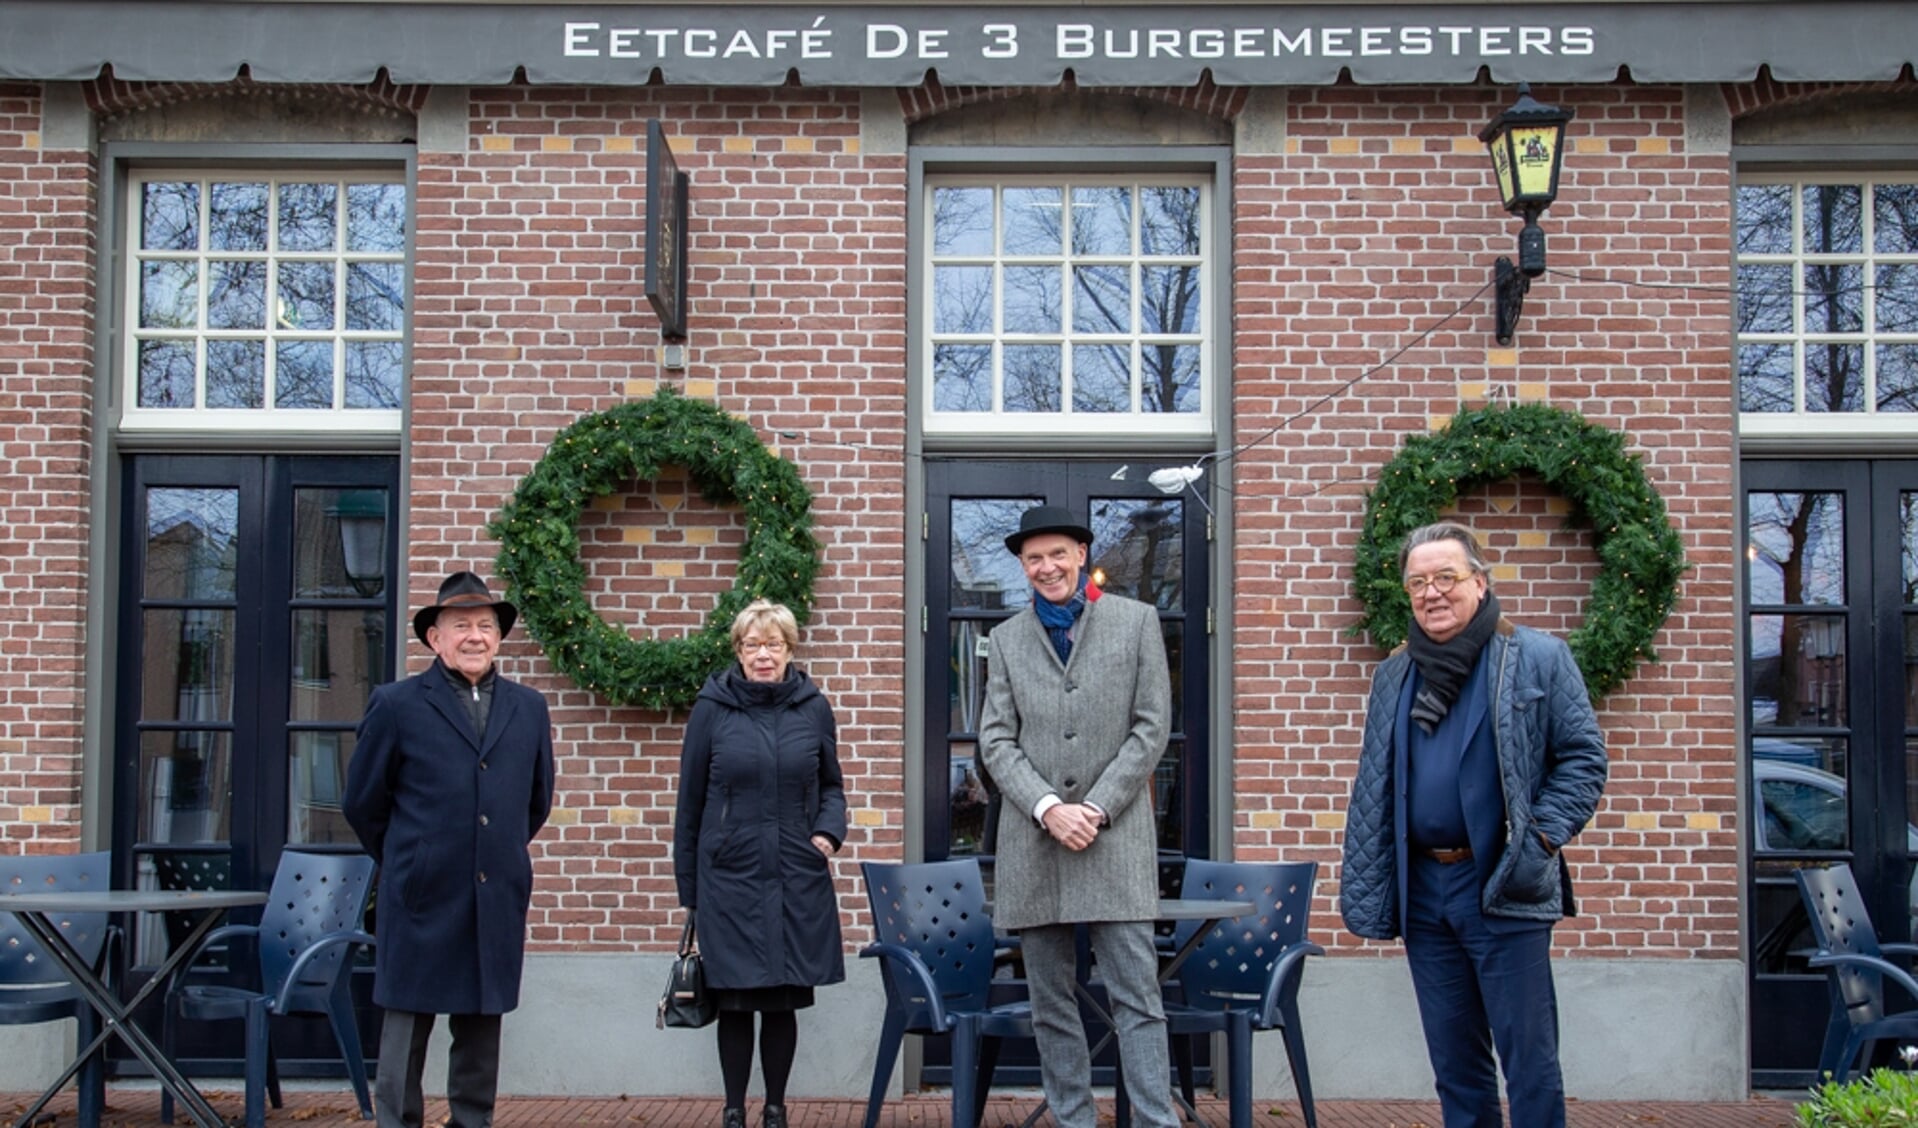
959,217
236,216
170,217
1802,536
309,217
1833,304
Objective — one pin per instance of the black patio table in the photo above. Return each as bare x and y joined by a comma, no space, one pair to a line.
33,908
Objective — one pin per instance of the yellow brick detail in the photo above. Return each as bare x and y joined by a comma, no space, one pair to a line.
868,816
798,145
1501,358
636,536
622,144
32,140
1329,820
36,814
1534,391
1641,820
640,389
1656,146
668,501
1292,147
623,816
1704,822
702,534
1477,391
851,145
1408,145
1533,540
702,389
556,144
494,143
1343,146
1467,144
605,503
672,569
563,816
1504,503
1267,820
1558,506
1437,422
737,145
1507,573
1590,145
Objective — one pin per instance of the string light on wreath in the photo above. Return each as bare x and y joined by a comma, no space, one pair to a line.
1641,557
539,558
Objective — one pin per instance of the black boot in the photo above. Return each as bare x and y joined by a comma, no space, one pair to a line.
772,1116
735,1118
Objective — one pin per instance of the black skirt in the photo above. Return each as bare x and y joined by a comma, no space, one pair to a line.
784,998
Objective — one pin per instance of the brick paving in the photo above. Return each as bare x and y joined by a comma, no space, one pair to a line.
140,1108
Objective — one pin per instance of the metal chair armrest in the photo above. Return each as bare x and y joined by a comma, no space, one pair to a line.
906,960
1884,967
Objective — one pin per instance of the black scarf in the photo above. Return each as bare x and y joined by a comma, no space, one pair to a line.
1444,666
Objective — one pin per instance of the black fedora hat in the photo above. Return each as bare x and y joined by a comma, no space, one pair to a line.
464,589
1047,519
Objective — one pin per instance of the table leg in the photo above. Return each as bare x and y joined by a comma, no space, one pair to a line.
116,1019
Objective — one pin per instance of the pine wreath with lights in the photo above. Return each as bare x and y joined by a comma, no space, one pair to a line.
539,557
1641,557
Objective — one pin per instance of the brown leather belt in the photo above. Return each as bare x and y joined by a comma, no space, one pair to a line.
1449,857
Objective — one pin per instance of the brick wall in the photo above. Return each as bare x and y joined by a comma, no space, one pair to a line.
1372,233
46,353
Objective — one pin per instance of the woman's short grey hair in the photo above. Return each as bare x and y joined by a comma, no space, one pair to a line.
761,612
1444,531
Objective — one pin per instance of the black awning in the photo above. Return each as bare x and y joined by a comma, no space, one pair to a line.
898,45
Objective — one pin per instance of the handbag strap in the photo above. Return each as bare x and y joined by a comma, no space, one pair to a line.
688,943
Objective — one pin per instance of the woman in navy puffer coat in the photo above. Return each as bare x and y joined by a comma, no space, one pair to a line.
761,812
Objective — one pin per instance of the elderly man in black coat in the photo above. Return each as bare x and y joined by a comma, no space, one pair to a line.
451,778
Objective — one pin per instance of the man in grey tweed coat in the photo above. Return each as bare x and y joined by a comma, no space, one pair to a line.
1078,706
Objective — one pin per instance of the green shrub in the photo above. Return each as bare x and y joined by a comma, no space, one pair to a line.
1882,1099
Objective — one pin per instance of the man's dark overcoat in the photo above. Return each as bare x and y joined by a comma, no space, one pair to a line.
449,817
759,776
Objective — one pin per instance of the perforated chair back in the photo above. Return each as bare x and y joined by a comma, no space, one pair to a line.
190,870
936,910
1841,924
23,963
312,895
1233,962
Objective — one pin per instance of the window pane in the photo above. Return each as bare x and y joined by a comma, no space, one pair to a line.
1033,221
236,218
166,374
338,657
1796,670
1764,219
236,374
1804,808
1833,219
374,296
962,299
1033,377
306,296
1895,221
1911,651
1896,305
962,221
1169,220
1102,220
170,295
186,787
1033,303
1765,299
1908,558
192,536
376,218
1102,299
1170,299
1796,548
169,217
236,294
373,374
1170,378
188,665
1834,299
1897,377
1102,378
1141,549
308,217
1834,377
970,800
315,779
984,575
303,374
1767,377
962,378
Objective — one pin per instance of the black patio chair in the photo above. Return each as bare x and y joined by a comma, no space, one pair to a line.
937,947
1855,970
33,986
306,938
1244,976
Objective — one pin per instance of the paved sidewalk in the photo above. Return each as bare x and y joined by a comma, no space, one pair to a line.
140,1108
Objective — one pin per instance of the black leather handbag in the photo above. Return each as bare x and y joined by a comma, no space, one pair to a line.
687,1001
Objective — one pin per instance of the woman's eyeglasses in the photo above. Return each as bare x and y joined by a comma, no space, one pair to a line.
748,646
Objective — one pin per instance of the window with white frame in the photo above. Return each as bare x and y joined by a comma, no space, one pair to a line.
1827,304
1068,304
265,302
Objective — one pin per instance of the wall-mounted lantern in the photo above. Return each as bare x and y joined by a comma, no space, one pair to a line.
1526,141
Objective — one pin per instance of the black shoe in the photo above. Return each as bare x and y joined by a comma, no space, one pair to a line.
772,1116
735,1118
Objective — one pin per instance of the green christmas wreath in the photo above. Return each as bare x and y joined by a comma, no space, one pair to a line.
538,533
1640,556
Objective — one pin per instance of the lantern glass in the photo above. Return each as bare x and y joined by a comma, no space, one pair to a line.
1534,154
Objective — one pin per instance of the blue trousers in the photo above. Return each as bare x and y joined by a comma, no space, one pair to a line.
1482,985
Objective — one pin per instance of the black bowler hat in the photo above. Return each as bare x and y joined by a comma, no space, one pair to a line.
464,589
1047,519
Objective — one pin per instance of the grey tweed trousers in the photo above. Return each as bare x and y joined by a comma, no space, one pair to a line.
1129,967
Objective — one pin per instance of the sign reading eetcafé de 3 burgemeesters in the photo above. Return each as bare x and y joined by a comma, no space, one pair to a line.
898,45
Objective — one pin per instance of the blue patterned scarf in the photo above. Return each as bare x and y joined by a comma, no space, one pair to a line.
1059,619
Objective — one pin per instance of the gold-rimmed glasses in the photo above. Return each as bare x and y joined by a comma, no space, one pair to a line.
1442,582
751,646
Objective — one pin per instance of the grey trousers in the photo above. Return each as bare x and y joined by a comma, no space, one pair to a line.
1129,966
472,1072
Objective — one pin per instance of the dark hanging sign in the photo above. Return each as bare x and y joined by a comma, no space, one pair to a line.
1251,44
666,191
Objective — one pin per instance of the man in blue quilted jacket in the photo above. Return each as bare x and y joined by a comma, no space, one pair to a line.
1481,759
